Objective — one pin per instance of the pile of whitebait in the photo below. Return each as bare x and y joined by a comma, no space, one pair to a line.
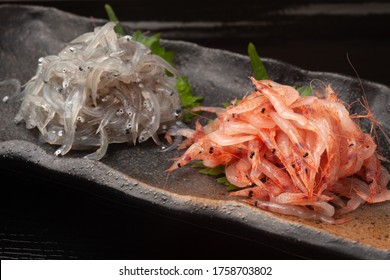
102,88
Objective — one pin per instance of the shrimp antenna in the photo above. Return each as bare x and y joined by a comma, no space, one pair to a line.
199,115
166,180
357,75
365,105
215,110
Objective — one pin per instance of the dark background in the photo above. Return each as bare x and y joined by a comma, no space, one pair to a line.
314,35
42,219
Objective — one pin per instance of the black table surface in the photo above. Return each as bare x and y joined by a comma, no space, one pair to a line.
39,222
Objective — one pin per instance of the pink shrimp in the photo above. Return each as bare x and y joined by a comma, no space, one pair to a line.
248,103
300,156
281,106
238,173
259,192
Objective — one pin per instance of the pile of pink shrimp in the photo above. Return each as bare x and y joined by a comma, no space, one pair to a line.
296,155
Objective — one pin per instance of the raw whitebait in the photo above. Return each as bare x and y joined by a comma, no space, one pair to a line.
102,88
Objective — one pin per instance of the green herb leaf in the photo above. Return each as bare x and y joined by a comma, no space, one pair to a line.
112,17
216,171
226,104
153,43
224,181
198,164
259,71
187,98
220,169
304,90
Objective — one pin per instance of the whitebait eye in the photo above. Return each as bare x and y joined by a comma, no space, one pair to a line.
128,128
119,112
145,104
178,113
80,119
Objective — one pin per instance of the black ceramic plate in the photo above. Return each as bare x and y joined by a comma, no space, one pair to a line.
137,175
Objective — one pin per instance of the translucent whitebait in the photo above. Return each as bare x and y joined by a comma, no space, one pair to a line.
102,88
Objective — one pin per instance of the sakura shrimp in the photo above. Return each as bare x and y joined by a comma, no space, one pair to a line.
101,88
292,155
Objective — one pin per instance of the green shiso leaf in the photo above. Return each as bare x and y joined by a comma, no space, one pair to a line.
304,90
187,98
220,169
153,43
216,171
112,17
224,181
259,71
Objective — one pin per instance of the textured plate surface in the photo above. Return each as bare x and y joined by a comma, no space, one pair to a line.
136,175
